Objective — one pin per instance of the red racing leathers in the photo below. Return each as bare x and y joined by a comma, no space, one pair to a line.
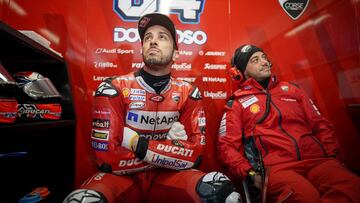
129,101
293,130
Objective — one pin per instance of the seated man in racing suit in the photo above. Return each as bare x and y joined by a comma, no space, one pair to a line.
147,129
271,132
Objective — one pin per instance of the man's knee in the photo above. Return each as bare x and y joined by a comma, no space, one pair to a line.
216,187
85,196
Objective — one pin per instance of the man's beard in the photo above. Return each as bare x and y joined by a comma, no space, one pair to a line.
156,63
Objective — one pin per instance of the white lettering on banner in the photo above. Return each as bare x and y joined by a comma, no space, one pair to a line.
215,95
99,78
187,36
131,10
150,120
215,66
137,65
187,79
130,162
175,150
185,53
104,65
212,79
215,53
181,67
113,51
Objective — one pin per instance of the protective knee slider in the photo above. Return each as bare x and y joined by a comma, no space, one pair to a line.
215,187
85,196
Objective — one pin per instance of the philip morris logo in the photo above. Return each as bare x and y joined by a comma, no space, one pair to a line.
294,8
188,10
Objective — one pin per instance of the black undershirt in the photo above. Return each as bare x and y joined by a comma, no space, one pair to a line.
158,83
264,83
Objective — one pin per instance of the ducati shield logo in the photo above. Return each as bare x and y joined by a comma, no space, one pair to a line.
294,8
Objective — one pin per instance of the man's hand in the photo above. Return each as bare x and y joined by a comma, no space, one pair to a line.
177,132
130,139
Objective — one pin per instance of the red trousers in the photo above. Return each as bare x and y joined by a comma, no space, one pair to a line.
317,180
159,185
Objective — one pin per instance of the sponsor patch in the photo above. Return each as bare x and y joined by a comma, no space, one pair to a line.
137,98
294,8
138,91
125,92
137,105
100,135
106,89
284,88
157,98
175,150
100,146
196,94
247,101
288,99
167,162
203,140
101,123
255,108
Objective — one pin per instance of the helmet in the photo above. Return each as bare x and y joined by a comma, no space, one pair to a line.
8,103
37,87
39,97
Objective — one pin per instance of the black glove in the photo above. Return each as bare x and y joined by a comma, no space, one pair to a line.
255,184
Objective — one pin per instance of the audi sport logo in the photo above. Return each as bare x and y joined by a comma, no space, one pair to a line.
188,10
294,8
188,37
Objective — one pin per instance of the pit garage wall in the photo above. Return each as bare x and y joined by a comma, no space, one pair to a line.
319,51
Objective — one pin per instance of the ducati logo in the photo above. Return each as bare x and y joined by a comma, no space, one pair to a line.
294,8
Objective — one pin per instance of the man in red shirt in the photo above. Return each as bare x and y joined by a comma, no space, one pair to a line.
148,128
271,132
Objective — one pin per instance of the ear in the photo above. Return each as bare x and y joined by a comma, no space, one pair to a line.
175,55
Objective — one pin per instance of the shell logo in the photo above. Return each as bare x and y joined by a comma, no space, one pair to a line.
255,108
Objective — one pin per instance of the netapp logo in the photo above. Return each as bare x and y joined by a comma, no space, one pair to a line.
214,79
215,95
188,37
181,67
148,120
209,66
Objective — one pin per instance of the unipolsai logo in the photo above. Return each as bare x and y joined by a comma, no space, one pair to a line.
294,8
188,10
